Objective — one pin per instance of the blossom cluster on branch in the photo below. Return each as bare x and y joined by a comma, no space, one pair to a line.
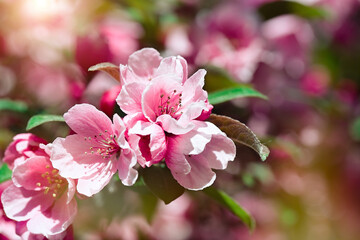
165,122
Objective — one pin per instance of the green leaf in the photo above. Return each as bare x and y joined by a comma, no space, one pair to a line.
239,133
5,173
37,120
109,68
161,183
277,8
355,129
218,79
225,200
231,93
16,106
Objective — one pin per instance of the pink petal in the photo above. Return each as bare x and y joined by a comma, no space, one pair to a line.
55,220
28,173
86,120
73,158
193,88
219,152
21,204
173,126
173,65
129,98
153,143
144,62
125,164
200,175
90,185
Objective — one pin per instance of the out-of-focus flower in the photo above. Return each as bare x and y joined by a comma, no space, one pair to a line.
291,37
60,86
23,146
97,150
7,80
114,41
227,38
41,197
315,82
164,106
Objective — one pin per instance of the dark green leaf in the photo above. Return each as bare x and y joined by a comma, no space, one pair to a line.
225,200
109,68
239,133
37,120
5,173
277,8
161,183
16,106
149,205
231,93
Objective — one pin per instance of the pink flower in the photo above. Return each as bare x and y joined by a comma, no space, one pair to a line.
97,150
23,146
40,197
227,38
165,107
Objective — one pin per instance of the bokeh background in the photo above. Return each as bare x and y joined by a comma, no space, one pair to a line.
304,55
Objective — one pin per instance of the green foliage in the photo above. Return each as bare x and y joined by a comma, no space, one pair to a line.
239,133
355,129
15,106
218,79
232,93
161,183
37,120
225,200
277,8
5,173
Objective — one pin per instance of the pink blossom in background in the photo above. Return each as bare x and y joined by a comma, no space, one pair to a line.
96,152
60,86
122,38
315,82
227,38
290,38
41,197
164,110
23,146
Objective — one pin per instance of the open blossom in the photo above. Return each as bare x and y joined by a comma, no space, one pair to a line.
96,152
40,199
166,107
23,146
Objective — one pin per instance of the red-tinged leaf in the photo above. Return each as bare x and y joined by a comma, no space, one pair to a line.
109,68
240,133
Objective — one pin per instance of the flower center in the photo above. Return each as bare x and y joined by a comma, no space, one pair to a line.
103,144
54,184
170,104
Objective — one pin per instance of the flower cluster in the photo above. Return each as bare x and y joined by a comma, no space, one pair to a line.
164,123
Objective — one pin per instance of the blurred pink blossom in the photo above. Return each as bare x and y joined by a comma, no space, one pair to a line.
60,86
227,37
315,82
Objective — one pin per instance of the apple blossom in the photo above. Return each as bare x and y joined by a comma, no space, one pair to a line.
97,150
40,197
166,107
